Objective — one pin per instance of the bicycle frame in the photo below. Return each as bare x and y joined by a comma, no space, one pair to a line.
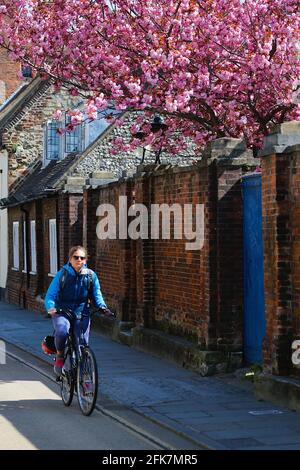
77,340
78,352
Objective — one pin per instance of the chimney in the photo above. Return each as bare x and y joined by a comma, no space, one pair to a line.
9,75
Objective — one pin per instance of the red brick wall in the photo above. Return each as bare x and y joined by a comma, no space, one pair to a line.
229,262
49,211
179,304
14,278
110,258
157,283
67,210
63,221
70,219
9,74
90,204
281,229
22,288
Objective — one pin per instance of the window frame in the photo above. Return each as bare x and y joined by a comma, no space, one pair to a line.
79,132
25,264
53,261
16,246
33,247
49,125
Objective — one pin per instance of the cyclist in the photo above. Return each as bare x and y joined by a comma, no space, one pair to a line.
74,287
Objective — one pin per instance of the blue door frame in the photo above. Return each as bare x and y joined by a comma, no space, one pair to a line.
254,305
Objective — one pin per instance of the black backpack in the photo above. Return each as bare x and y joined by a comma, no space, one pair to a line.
63,278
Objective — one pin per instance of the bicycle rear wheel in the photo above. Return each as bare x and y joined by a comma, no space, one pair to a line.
67,381
87,382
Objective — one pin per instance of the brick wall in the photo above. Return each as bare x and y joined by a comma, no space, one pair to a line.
26,289
70,219
49,211
112,258
158,283
229,262
281,230
22,287
9,76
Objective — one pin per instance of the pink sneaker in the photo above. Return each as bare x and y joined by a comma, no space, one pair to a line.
59,363
87,387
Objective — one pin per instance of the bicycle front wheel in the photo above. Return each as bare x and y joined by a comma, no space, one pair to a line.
67,381
87,382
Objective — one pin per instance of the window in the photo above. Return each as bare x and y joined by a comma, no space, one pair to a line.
24,248
53,246
33,246
52,141
73,139
57,145
16,262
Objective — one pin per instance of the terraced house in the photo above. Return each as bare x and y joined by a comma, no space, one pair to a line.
44,172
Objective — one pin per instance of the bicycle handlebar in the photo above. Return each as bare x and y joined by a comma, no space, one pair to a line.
73,316
107,312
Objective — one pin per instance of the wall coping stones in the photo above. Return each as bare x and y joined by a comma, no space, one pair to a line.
287,127
73,189
102,175
281,138
99,178
94,183
228,151
76,180
74,184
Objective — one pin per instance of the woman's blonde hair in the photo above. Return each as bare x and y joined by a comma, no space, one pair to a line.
75,248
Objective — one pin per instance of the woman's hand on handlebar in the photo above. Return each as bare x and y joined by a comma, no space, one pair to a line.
107,312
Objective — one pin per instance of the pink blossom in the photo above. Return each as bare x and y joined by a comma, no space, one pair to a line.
209,69
91,110
101,102
76,116
57,114
73,91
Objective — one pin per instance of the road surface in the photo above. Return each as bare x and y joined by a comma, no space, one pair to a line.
32,416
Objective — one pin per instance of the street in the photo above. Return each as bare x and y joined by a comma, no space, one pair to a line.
32,416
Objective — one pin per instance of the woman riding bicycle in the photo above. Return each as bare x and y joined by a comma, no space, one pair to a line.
74,287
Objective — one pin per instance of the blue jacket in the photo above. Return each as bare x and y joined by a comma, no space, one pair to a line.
75,291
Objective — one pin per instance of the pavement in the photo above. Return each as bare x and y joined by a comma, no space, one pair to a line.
218,412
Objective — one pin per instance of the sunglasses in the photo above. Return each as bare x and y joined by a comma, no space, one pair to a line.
79,257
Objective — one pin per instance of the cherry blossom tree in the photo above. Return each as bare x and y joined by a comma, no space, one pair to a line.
210,68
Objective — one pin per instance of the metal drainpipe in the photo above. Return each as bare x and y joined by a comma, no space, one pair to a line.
27,244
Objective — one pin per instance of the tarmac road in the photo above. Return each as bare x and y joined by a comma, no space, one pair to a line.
32,416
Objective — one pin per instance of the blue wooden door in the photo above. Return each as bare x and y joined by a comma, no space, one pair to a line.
254,305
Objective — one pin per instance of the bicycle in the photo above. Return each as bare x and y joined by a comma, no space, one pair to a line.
80,369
